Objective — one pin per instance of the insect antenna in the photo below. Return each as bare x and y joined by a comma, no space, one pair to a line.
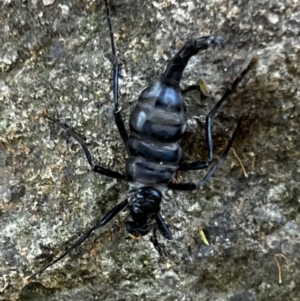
108,217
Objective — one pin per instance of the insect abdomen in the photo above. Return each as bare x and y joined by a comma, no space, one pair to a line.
157,123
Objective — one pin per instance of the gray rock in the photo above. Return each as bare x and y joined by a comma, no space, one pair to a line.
55,58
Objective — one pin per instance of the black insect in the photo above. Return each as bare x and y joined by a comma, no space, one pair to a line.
157,123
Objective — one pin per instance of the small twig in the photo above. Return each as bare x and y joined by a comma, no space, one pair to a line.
278,265
240,161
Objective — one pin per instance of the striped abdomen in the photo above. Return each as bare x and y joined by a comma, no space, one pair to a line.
156,123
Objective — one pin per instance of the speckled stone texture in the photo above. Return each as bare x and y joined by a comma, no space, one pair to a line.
56,58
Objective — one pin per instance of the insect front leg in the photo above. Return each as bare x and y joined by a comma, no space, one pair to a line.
162,253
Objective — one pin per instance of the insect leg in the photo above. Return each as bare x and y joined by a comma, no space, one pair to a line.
94,167
108,217
162,227
156,244
209,174
116,69
208,126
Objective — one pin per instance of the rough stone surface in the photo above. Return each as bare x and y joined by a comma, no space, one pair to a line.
56,58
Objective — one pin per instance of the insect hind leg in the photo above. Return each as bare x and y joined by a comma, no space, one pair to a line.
203,164
116,70
210,173
208,126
